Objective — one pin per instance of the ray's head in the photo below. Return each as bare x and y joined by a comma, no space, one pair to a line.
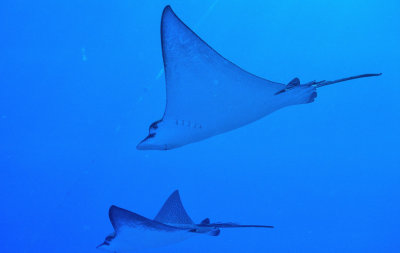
107,244
159,137
168,134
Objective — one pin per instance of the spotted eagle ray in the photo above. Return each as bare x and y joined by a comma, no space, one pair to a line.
133,232
209,95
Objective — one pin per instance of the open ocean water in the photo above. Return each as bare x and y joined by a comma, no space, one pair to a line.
80,83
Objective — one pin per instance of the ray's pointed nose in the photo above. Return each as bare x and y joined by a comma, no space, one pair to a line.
102,245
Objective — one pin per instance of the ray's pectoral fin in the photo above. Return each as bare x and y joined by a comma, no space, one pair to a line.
120,218
173,212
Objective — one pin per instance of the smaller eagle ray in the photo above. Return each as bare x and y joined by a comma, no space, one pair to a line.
133,232
208,95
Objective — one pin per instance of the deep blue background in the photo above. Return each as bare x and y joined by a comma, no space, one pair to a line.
79,87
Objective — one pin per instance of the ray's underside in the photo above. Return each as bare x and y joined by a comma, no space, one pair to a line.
207,94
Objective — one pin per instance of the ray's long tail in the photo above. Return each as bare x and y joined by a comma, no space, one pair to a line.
325,83
296,83
234,225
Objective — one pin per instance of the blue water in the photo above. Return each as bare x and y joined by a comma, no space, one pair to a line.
80,84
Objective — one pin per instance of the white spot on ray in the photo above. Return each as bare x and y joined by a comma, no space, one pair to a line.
83,50
160,74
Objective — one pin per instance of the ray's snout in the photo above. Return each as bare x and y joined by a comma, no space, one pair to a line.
103,245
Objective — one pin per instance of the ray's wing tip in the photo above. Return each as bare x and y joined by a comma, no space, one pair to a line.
167,10
175,195
175,192
112,209
169,15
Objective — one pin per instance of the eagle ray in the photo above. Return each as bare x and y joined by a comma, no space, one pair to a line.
133,232
207,94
